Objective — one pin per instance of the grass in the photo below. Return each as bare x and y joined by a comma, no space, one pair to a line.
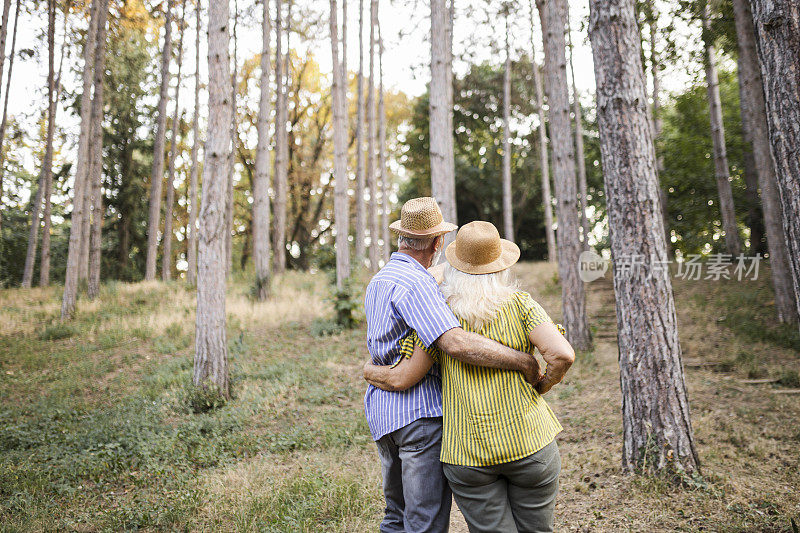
97,432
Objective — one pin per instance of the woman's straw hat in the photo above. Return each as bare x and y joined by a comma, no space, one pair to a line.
421,218
478,249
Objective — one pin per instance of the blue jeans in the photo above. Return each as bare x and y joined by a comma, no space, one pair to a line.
417,495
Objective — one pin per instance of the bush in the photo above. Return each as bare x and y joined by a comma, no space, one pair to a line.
58,331
345,305
203,398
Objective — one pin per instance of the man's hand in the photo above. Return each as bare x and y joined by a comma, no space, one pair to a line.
533,374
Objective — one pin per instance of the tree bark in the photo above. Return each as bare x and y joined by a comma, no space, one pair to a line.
508,215
281,149
229,207
81,171
211,347
157,174
8,90
385,209
191,253
657,429
777,25
547,203
361,211
579,150
261,208
440,111
341,206
95,236
166,258
374,245
733,244
754,118
3,34
552,14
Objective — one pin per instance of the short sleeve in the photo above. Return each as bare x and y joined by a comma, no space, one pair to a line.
425,311
408,344
533,313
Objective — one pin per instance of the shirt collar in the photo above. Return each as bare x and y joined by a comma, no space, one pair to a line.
400,256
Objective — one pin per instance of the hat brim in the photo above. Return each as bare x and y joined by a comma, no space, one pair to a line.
508,256
439,229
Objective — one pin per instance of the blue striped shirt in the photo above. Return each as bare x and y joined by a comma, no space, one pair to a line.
403,297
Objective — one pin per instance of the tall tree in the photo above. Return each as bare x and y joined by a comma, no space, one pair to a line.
261,178
341,204
777,25
543,157
3,34
96,159
361,212
234,139
384,170
157,174
754,120
552,13
191,253
281,147
441,131
733,244
211,346
657,430
372,181
508,214
81,170
579,150
166,259
8,89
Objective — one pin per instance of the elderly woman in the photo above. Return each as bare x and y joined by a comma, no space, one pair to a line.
498,446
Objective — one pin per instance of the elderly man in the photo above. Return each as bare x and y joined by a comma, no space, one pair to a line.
407,425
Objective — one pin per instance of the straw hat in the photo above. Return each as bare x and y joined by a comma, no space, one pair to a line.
478,249
421,218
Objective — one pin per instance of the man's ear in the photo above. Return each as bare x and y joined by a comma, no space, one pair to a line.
437,243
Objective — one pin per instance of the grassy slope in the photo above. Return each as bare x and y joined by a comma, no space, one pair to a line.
94,433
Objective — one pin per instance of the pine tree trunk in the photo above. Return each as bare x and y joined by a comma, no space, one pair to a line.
547,203
361,212
341,204
552,14
440,111
157,174
8,90
657,430
166,258
754,119
385,209
211,347
281,149
508,214
3,34
733,244
374,248
261,208
81,171
229,207
450,180
33,233
777,25
191,252
96,156
579,150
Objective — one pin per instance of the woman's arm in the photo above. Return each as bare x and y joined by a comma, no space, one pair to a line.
403,375
556,351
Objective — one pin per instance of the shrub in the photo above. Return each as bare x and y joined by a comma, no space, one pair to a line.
58,331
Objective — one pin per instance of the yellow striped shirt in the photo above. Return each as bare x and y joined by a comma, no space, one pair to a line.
493,416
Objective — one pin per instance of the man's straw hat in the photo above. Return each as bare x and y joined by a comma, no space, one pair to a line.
478,249
421,218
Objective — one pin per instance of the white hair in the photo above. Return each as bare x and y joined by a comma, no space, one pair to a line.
414,243
477,298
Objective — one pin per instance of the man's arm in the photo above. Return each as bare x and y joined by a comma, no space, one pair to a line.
402,376
556,351
477,350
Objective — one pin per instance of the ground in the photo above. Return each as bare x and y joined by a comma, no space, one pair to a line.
95,433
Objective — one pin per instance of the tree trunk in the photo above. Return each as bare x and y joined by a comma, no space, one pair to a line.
166,258
341,206
385,210
261,244
508,214
657,430
3,34
374,249
211,346
777,25
8,87
157,174
361,213
191,252
229,207
81,171
95,236
552,14
440,111
550,234
732,243
281,150
754,119
579,151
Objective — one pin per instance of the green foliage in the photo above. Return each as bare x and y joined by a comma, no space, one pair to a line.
58,331
203,398
345,305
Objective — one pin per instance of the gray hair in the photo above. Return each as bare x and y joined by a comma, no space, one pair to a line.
414,243
477,298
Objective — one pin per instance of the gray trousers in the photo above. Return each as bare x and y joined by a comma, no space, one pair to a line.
519,496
